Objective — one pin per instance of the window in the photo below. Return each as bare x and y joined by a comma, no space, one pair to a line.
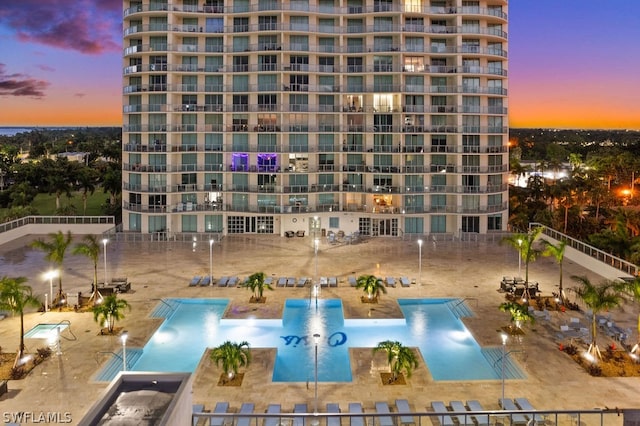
334,222
494,223
157,224
299,23
240,25
268,42
268,23
414,44
240,44
135,222
267,63
470,224
438,224
189,223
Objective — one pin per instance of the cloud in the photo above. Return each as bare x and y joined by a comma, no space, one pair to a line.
79,95
86,26
44,67
21,85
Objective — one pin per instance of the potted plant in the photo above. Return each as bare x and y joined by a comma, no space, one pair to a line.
372,286
402,360
232,356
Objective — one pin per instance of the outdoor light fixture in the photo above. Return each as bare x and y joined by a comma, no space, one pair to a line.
420,261
519,257
504,338
104,243
123,337
50,276
316,340
211,261
316,288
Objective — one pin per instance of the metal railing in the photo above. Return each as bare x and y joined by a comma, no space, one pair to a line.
613,261
52,220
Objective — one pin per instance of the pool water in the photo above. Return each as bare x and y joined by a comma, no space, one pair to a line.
192,325
45,331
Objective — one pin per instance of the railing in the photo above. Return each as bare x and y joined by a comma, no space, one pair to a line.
613,261
52,220
609,417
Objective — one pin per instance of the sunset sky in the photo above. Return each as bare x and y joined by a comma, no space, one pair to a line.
572,63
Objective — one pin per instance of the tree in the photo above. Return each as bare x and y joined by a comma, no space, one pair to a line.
232,356
519,313
557,251
110,311
55,250
598,298
524,243
400,358
90,247
633,289
86,180
15,297
371,285
256,284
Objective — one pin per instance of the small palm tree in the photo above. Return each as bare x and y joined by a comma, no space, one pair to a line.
15,297
55,250
90,247
256,284
232,356
557,251
524,243
598,298
400,358
371,285
519,313
109,311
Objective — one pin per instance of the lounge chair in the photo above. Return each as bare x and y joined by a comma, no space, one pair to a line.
463,419
333,281
333,408
268,280
233,281
195,281
205,281
291,282
402,406
246,408
352,281
440,408
223,281
197,408
481,419
300,408
383,408
324,282
221,407
272,421
516,418
525,405
391,282
282,282
404,281
356,408
302,282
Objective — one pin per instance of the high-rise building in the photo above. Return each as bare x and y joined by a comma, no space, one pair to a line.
383,117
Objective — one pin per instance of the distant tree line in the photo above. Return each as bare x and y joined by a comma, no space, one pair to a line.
30,164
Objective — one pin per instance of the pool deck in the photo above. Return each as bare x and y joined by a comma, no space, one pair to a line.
163,270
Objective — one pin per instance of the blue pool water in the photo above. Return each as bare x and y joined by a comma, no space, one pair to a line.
45,331
192,325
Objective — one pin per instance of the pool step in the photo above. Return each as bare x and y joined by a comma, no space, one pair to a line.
459,308
165,308
114,364
511,368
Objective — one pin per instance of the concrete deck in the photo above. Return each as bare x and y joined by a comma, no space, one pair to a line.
159,270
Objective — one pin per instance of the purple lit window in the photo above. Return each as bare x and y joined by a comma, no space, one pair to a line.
239,162
267,163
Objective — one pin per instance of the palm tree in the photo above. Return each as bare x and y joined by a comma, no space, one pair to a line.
400,358
598,298
86,179
55,250
557,251
524,243
15,297
232,356
90,247
109,311
519,313
371,285
256,284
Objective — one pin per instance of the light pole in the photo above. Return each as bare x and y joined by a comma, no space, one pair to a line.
104,243
50,276
420,261
123,337
504,355
316,340
211,261
519,257
316,242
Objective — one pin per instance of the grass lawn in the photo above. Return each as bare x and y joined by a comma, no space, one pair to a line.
45,204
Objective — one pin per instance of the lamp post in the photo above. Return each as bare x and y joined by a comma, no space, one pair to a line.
123,337
104,243
420,261
50,276
504,354
316,340
316,242
519,257
211,261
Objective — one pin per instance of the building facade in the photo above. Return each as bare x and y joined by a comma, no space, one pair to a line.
382,117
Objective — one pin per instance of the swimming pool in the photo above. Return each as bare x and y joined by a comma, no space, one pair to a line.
192,325
45,331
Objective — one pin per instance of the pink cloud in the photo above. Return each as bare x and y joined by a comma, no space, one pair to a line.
86,26
44,67
21,85
79,95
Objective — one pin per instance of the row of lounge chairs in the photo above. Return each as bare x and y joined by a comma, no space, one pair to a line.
205,281
388,281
